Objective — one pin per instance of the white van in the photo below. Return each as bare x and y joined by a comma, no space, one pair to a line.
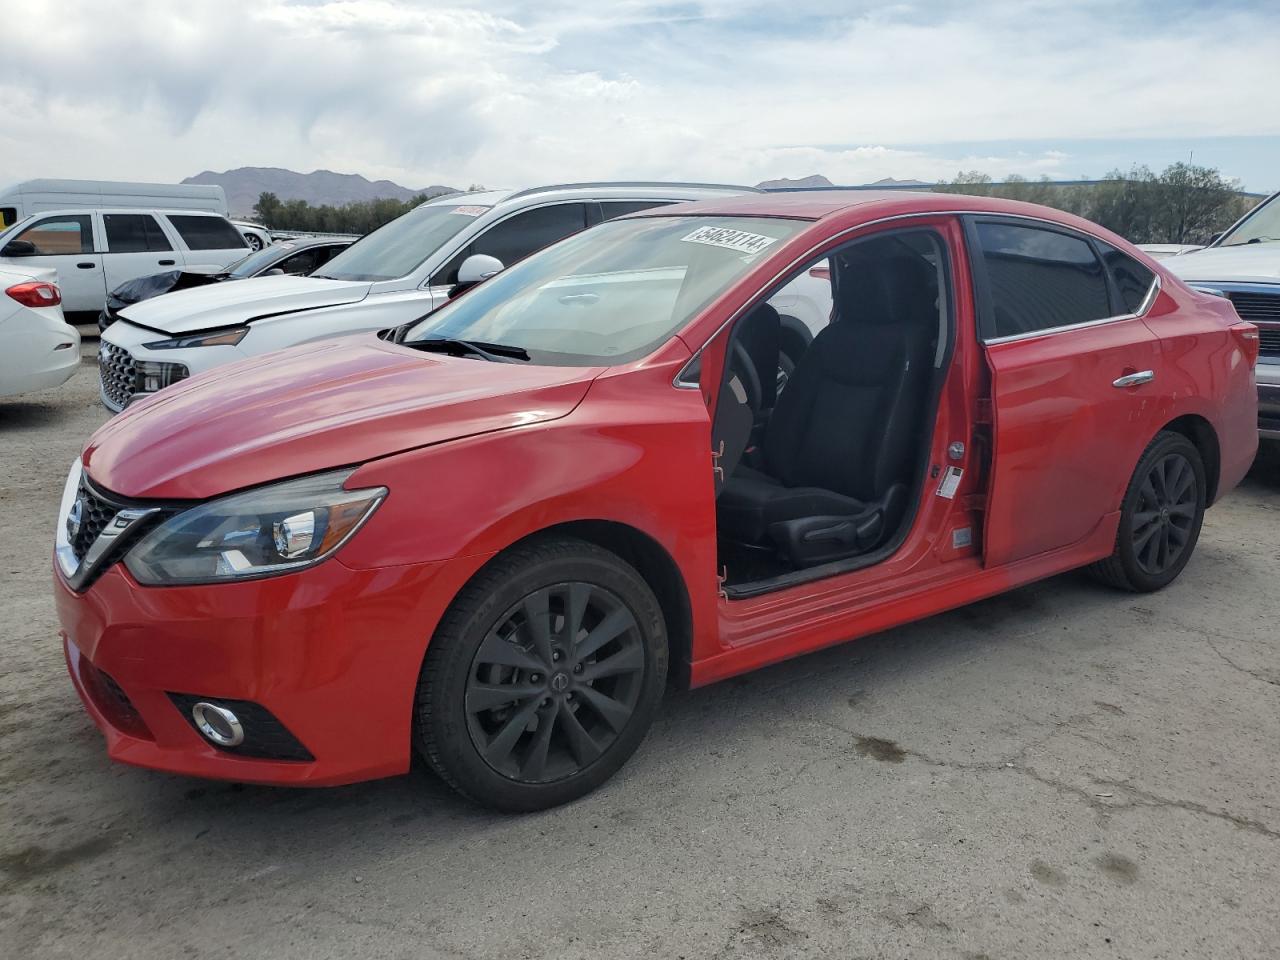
36,196
94,251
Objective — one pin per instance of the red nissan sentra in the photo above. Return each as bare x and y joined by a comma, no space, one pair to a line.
493,536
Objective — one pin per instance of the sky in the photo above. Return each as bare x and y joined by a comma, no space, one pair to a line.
514,94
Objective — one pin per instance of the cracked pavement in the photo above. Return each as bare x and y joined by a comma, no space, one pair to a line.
1064,771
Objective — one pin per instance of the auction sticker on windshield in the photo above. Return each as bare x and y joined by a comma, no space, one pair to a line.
730,239
469,211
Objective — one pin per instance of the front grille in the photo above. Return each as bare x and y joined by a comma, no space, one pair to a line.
118,372
95,514
1269,341
1257,307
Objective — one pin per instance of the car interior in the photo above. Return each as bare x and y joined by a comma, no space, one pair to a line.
820,467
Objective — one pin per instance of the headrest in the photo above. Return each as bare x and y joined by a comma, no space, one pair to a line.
885,283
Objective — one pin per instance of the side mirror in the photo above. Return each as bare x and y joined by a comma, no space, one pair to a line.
274,272
19,248
477,268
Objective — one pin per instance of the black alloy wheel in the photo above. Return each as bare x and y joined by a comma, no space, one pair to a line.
1160,517
555,682
543,676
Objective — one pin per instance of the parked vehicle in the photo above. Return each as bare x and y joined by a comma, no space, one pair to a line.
94,251
255,234
492,535
392,276
40,196
294,258
1243,265
38,348
1162,250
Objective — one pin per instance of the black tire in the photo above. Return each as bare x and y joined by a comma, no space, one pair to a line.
469,742
1159,527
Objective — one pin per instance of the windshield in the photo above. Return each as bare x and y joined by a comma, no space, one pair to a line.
248,266
394,250
1260,226
612,293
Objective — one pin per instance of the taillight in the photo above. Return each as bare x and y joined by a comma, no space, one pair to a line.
36,293
1246,335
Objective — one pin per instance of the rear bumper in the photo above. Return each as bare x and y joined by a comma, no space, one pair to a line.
43,359
333,654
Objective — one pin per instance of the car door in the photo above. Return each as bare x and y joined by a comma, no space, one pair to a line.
1074,374
135,247
65,242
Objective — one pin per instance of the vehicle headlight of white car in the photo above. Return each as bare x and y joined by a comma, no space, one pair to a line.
222,337
272,530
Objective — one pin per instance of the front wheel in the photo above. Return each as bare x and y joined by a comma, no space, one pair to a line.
543,676
1160,517
254,241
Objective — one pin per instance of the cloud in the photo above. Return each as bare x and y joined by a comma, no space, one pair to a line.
519,93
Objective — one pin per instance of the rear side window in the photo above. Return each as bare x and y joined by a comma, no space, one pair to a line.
1039,279
60,235
133,233
207,233
1132,279
520,235
619,208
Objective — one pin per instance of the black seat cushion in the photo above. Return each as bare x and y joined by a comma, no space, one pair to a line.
752,501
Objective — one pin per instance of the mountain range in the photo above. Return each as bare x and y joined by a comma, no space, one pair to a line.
244,184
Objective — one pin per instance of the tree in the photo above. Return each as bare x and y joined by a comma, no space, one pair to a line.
267,208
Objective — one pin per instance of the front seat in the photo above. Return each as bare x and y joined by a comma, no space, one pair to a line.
743,408
838,450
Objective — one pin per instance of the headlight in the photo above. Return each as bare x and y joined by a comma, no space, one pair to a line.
226,337
259,533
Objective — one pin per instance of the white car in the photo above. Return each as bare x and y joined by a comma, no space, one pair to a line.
396,274
1162,251
1244,265
96,250
255,235
38,348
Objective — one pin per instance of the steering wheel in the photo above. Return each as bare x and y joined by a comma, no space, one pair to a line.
740,365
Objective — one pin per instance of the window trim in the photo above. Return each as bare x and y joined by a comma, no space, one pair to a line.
93,236
982,289
106,236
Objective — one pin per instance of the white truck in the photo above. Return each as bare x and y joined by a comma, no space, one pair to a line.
1243,264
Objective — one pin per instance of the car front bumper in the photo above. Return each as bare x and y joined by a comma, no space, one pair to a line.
1268,376
331,655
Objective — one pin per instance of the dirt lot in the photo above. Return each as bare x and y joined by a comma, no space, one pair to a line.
1060,772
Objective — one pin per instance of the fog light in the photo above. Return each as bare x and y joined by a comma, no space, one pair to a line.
218,724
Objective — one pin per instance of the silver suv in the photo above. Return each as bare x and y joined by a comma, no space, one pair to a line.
394,275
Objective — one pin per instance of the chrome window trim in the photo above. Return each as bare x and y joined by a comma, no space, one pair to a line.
1142,311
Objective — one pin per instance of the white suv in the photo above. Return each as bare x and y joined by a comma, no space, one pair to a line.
94,251
394,275
1244,265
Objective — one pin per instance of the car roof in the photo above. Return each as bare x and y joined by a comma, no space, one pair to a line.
860,206
605,190
167,211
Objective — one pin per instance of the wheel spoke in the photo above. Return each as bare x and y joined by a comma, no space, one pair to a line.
1148,492
1158,482
534,763
507,654
1162,554
499,748
627,660
537,616
618,621
1178,535
1143,517
1185,510
1141,541
486,696
583,748
611,711
1147,553
575,609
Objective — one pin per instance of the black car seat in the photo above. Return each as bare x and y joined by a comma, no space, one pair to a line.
838,450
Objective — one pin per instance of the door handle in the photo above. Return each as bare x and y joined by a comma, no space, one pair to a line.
86,266
1134,379
165,263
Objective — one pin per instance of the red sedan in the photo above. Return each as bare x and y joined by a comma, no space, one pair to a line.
495,535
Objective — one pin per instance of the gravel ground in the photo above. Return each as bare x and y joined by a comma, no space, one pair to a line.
1059,772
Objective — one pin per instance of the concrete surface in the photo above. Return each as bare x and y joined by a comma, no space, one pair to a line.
1060,772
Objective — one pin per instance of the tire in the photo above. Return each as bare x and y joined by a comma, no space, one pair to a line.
1160,517
502,705
254,241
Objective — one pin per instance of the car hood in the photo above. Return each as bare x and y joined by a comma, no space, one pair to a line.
229,304
316,407
1254,262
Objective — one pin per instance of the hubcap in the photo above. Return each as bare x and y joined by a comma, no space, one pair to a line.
555,682
1165,515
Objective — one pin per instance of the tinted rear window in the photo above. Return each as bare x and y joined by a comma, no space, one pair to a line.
1132,278
133,233
207,233
1039,279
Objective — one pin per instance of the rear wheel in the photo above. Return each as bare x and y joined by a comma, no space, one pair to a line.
543,677
1160,517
